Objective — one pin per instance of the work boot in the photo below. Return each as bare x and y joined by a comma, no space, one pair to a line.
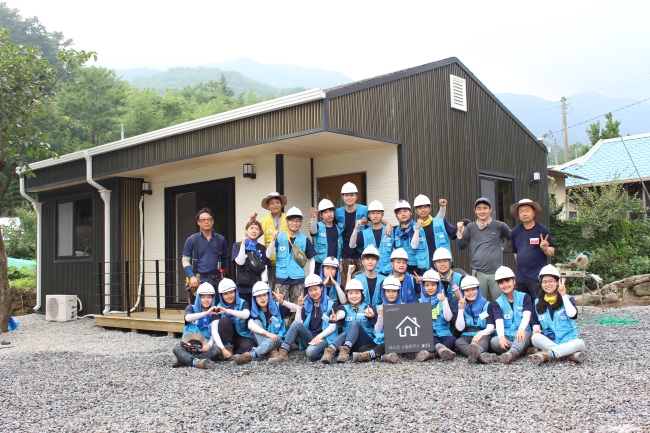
231,349
445,353
273,353
540,358
205,363
487,358
242,359
390,357
507,357
532,350
344,354
361,357
294,347
282,356
328,355
423,355
577,357
474,351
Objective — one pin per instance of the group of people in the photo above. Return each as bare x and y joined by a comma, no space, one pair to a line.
358,264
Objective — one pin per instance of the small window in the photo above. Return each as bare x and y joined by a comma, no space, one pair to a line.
74,220
457,88
573,215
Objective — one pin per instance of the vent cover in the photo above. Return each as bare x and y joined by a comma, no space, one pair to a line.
458,93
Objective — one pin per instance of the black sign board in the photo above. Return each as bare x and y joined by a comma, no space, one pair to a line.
408,327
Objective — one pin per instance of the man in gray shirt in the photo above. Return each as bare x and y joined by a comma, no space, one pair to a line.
484,237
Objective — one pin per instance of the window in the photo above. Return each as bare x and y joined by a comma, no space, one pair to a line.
499,191
74,231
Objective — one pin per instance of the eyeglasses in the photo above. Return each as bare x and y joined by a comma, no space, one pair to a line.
547,282
206,220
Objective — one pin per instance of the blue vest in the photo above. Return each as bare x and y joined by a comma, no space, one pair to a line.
385,248
376,299
193,327
419,257
241,325
339,218
359,316
326,321
320,242
475,322
449,292
408,293
512,315
286,266
440,234
564,327
277,326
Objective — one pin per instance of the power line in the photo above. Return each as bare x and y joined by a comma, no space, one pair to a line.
597,117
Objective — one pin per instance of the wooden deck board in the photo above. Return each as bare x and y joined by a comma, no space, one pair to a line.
171,321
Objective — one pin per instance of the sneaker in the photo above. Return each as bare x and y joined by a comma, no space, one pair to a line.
328,355
507,357
344,354
424,355
445,353
205,363
487,358
390,357
361,357
474,351
242,359
540,358
532,350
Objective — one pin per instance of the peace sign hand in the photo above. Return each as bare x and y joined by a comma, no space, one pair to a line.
278,297
369,313
301,301
543,242
333,317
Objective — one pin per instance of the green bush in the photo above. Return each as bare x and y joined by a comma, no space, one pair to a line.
21,277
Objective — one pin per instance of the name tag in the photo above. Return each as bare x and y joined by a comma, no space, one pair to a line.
483,315
282,249
534,241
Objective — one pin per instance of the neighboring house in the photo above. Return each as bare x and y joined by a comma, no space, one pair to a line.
434,129
622,159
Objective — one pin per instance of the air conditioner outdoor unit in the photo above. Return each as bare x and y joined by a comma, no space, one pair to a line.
60,308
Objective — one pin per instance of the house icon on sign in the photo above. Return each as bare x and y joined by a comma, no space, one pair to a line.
407,329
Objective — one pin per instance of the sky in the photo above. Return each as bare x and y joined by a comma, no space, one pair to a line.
548,49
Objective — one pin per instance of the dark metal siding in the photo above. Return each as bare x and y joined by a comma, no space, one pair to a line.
444,149
57,174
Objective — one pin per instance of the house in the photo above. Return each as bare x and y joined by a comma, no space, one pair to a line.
113,219
622,159
408,327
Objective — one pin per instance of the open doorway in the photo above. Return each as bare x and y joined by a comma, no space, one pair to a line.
330,187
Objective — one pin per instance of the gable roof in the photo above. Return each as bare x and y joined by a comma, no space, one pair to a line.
611,159
413,320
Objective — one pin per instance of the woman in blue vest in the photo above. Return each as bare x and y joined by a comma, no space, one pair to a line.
512,313
378,234
266,322
234,335
357,332
326,235
432,293
410,237
316,322
450,279
331,277
199,322
471,322
370,279
250,258
557,332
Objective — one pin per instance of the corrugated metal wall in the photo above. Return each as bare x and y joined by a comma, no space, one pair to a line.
57,174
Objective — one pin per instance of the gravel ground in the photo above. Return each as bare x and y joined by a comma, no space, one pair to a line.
77,377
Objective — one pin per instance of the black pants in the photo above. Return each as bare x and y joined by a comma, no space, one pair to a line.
533,288
230,337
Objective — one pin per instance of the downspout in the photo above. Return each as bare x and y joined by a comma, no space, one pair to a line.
39,227
141,278
106,197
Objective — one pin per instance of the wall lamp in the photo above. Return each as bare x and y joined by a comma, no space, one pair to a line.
535,178
248,171
146,188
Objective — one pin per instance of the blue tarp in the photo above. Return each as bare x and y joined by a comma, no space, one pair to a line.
19,263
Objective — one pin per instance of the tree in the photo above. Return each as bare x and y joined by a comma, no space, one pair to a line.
611,130
28,83
20,238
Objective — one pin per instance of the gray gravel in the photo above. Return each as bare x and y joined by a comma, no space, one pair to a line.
76,377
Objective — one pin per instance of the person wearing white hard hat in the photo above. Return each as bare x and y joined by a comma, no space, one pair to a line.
357,330
390,295
433,294
450,279
250,258
329,273
234,336
290,246
326,236
532,244
316,323
410,236
346,218
472,322
557,333
512,313
369,278
410,285
198,347
437,230
275,221
266,322
378,235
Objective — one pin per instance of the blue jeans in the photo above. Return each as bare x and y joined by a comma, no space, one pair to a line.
299,331
187,358
264,343
355,335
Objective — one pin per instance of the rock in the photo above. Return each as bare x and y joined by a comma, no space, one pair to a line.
642,289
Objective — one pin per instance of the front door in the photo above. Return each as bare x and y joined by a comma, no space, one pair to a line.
330,187
181,205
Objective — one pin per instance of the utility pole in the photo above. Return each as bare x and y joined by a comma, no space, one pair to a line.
564,131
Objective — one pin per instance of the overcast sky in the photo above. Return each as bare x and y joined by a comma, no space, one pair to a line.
548,49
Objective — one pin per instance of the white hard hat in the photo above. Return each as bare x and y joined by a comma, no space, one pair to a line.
402,204
331,261
431,275
349,188
375,205
549,270
468,282
391,283
325,204
313,280
226,285
354,284
421,200
294,211
502,273
205,289
260,288
370,250
441,253
399,253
